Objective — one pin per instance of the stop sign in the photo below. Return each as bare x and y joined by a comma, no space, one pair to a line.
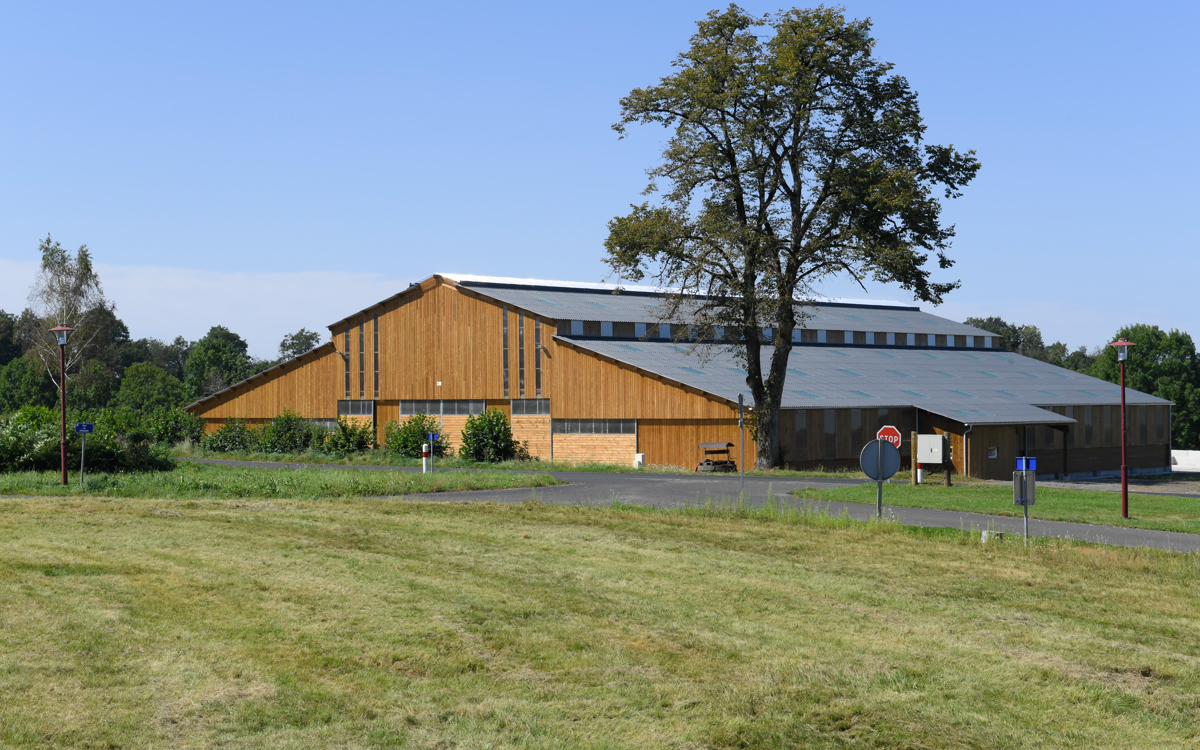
890,434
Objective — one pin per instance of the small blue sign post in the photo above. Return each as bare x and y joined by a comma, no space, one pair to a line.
85,429
1025,487
433,436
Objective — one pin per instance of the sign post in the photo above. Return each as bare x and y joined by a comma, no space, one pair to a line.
879,460
1025,487
742,442
433,436
84,429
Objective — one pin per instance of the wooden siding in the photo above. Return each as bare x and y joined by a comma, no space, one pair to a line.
536,430
451,431
304,385
585,385
609,449
676,442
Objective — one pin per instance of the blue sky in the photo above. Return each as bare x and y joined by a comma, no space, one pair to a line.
269,166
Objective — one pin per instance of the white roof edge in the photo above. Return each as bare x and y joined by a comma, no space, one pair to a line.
595,286
602,287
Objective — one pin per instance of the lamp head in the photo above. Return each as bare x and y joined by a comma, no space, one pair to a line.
61,332
1122,348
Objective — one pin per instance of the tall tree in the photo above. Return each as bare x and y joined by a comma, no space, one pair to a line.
1164,364
146,387
217,361
795,156
66,292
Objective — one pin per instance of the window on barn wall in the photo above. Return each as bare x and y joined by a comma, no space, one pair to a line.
856,430
801,450
441,408
521,353
527,406
504,317
375,331
346,357
830,434
594,426
362,358
537,357
358,408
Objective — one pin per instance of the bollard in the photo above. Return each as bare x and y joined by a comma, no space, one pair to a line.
424,458
946,481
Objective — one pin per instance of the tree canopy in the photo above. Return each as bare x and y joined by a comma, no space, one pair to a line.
795,156
217,361
67,291
148,387
1027,341
295,344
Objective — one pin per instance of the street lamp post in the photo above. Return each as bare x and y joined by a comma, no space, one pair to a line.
1122,355
61,332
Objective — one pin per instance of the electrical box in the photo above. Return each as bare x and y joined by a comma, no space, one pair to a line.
933,449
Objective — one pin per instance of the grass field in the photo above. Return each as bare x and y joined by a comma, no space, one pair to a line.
381,458
1164,512
140,623
214,481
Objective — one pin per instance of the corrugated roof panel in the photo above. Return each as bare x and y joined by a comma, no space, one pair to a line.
597,302
1001,395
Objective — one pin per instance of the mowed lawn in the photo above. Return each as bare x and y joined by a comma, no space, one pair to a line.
140,623
1164,512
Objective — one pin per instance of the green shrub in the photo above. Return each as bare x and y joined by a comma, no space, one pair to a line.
406,439
290,433
173,426
350,437
29,441
488,437
234,435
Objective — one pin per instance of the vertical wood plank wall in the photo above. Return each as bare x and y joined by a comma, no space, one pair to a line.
675,442
305,385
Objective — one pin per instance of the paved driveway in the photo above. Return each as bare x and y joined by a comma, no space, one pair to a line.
683,490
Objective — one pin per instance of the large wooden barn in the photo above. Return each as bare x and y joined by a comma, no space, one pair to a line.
585,373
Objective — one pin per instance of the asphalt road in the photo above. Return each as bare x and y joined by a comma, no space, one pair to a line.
683,490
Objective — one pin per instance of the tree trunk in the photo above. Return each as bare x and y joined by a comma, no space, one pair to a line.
768,448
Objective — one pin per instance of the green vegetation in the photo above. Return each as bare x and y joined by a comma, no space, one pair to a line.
385,458
289,433
30,440
209,481
488,438
376,623
1164,512
405,440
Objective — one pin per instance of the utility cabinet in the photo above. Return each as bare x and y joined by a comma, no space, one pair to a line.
933,449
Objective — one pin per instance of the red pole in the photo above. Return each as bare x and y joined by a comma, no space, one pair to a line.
62,386
1124,463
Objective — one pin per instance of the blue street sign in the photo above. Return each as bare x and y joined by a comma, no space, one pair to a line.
85,428
1021,463
433,436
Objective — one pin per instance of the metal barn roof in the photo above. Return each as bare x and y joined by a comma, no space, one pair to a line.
643,305
973,387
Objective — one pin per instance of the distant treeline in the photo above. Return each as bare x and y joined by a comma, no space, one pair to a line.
117,370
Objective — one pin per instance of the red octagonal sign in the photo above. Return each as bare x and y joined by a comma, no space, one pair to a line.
890,434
